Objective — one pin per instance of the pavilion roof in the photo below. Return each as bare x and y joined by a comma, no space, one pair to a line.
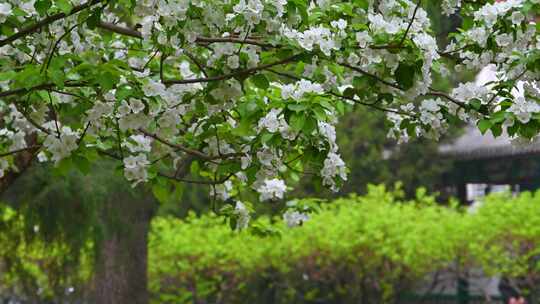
473,145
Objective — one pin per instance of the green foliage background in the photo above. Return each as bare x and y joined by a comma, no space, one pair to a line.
377,247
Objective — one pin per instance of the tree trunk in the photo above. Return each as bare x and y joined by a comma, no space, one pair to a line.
121,255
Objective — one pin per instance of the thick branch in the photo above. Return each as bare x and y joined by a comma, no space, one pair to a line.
46,21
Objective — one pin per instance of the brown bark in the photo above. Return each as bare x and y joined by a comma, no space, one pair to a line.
23,160
121,255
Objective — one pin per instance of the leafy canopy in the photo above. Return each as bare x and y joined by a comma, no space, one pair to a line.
245,93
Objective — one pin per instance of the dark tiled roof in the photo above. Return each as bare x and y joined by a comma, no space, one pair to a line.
473,145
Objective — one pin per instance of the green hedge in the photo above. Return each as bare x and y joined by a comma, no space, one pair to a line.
370,249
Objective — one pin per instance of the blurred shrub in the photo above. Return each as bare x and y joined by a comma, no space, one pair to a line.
369,249
374,248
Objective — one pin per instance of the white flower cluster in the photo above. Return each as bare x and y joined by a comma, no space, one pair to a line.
272,189
222,191
490,12
61,144
315,36
524,109
138,143
131,116
294,218
5,11
333,165
470,90
273,122
243,216
430,115
135,168
449,7
297,90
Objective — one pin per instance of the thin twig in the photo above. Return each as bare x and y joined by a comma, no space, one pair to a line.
361,71
433,92
83,134
410,24
187,150
201,182
197,63
233,74
201,40
43,86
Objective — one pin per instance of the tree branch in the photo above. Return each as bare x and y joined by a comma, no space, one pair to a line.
190,151
34,147
200,40
201,182
433,92
359,70
43,86
233,74
410,24
46,21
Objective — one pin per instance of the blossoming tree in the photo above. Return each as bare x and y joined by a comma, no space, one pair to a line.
237,94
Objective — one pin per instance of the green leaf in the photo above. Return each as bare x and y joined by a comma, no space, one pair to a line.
94,19
42,6
484,125
297,107
498,117
297,121
57,77
6,76
82,164
64,5
475,103
266,137
108,80
310,125
29,77
260,81
245,127
195,168
161,192
405,75
64,166
496,129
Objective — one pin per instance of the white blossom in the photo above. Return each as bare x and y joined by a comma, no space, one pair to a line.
334,166
135,168
523,109
244,217
294,218
62,144
272,189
